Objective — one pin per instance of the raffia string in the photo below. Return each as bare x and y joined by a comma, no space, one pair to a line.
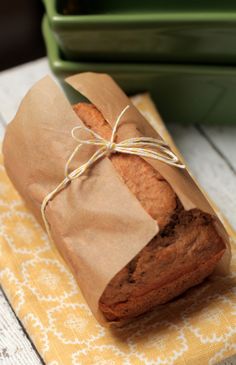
148,147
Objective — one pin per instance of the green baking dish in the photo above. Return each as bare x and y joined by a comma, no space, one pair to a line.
196,31
183,93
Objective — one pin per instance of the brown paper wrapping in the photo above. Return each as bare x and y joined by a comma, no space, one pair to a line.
95,222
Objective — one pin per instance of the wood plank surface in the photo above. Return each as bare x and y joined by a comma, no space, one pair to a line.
15,347
223,139
208,166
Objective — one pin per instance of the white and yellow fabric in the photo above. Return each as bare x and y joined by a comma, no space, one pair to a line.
198,328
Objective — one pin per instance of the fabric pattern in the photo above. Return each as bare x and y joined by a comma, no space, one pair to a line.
197,328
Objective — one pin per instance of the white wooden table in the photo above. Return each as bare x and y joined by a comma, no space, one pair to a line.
210,151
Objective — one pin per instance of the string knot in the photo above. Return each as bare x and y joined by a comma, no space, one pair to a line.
111,147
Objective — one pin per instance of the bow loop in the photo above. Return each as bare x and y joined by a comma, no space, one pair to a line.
147,147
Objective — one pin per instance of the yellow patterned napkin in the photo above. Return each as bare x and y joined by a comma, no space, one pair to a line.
198,328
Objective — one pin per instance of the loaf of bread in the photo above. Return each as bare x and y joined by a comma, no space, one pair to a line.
185,251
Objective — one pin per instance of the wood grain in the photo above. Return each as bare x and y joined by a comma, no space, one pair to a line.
209,167
15,347
224,140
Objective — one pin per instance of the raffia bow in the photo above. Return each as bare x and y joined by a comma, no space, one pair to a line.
140,146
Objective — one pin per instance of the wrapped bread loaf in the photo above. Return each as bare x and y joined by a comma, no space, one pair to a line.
135,231
184,252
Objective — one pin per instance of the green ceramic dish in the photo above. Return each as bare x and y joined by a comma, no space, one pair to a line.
196,31
183,93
